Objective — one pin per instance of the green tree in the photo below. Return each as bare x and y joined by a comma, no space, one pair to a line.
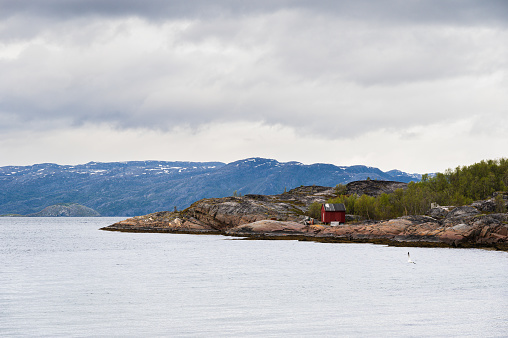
340,189
384,208
365,206
314,210
460,186
500,203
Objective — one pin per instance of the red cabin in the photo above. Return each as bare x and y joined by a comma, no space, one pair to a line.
333,213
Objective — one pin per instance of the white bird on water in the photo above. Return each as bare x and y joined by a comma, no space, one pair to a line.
409,259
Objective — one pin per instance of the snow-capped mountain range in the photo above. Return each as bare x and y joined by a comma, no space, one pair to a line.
141,187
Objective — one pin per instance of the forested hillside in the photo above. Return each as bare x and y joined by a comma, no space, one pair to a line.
460,186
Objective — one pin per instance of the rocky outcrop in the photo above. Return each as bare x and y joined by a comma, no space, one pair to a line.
467,231
462,211
489,231
225,213
269,228
373,187
163,221
221,214
283,217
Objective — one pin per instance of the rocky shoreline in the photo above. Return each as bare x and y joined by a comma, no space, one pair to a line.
283,217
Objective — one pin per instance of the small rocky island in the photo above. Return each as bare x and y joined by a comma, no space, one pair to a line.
61,210
66,210
284,216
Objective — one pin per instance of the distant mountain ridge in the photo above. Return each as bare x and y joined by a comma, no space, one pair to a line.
141,187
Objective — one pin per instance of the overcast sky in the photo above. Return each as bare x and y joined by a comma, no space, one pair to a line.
415,85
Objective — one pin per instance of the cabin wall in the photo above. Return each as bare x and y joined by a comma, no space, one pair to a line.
336,216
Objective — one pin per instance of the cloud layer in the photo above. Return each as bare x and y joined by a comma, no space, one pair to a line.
328,73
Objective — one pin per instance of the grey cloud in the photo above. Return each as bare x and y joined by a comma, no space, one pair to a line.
470,11
304,69
325,49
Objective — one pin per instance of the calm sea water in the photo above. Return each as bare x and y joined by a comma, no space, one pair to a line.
62,277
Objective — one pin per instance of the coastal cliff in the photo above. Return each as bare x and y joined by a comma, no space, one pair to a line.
284,217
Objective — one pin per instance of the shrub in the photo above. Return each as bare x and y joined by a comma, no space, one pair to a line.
314,210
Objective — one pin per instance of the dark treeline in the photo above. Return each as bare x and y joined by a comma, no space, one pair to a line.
453,187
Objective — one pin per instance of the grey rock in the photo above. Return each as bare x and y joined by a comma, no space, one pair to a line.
373,187
353,218
485,206
462,211
462,227
438,212
502,193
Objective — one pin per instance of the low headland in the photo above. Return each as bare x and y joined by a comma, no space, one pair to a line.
61,210
286,216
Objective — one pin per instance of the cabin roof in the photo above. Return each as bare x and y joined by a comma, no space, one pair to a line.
334,207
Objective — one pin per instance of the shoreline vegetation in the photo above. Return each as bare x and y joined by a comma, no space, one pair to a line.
463,208
458,187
